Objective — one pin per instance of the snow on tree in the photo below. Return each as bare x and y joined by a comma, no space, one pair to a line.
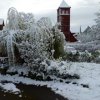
34,41
92,33
97,26
58,42
25,20
98,20
38,43
87,36
44,22
12,19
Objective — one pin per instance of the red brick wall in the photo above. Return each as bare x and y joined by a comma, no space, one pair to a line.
63,17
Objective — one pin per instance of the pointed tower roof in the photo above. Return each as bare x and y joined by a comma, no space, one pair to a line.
64,5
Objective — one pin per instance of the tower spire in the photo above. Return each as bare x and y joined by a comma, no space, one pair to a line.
64,4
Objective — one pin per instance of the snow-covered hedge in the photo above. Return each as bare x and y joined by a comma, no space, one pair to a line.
93,56
47,70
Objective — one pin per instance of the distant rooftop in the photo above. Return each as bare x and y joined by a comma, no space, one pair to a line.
1,21
64,5
87,30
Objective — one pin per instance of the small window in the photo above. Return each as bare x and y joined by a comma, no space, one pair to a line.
63,12
59,11
66,12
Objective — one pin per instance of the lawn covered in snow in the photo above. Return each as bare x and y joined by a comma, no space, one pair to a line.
85,88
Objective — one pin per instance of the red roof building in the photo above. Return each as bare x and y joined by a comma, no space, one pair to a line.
63,18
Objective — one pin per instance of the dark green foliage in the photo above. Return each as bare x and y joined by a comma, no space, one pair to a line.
39,77
58,44
95,54
18,59
3,70
31,75
84,57
68,76
75,83
85,85
71,57
61,80
12,73
3,51
48,78
67,82
58,49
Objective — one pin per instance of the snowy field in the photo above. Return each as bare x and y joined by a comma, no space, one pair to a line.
85,88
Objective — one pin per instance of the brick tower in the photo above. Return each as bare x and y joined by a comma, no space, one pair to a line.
63,18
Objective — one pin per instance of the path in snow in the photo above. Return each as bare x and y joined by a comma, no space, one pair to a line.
31,92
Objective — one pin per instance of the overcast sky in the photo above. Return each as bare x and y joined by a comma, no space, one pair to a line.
82,11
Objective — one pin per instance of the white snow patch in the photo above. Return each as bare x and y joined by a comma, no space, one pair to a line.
89,75
10,87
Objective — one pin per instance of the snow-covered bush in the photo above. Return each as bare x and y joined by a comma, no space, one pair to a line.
58,42
86,56
71,56
47,70
34,41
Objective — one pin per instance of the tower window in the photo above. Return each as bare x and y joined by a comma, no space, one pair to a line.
66,12
59,11
63,12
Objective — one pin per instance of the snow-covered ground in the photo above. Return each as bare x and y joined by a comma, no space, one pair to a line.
85,88
10,87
